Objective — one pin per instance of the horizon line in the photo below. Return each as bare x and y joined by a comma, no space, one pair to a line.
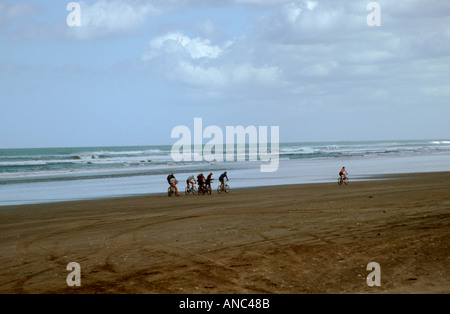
287,142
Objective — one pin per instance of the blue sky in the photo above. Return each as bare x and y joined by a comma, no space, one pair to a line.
136,69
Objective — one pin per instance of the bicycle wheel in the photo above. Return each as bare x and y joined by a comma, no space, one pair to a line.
187,190
194,190
219,189
346,181
227,189
339,181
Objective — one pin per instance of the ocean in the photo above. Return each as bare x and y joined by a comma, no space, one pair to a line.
45,175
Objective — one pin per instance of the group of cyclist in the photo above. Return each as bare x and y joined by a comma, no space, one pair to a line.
203,183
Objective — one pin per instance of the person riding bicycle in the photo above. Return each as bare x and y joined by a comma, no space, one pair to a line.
191,180
221,179
173,182
343,173
208,181
201,181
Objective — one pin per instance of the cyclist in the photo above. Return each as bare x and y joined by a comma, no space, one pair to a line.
169,177
208,181
201,181
221,178
173,182
191,180
343,173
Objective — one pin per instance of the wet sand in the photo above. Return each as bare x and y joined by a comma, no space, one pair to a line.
312,238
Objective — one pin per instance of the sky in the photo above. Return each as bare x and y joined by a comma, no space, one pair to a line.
134,70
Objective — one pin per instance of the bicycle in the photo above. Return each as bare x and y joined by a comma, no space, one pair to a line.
203,190
220,188
341,180
190,190
171,191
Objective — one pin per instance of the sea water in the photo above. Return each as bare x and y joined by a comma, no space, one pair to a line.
43,175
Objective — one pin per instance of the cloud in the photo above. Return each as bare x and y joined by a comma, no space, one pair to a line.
226,76
292,48
109,18
99,20
336,32
298,51
201,64
179,44
305,65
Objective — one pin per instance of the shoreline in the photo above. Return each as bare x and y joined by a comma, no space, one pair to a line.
291,171
293,239
373,177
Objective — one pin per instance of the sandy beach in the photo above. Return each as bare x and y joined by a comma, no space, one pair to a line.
311,238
